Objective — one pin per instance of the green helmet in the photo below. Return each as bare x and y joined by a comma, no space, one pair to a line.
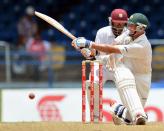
139,19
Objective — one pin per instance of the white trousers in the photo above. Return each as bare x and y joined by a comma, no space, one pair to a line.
142,85
143,81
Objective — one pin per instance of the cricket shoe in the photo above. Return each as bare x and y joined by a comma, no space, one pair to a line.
117,111
115,118
140,120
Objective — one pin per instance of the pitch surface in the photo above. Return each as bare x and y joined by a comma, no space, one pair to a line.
75,126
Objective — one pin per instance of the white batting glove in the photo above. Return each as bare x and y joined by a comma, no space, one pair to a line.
86,53
81,42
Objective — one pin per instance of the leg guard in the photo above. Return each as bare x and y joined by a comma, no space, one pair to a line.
126,86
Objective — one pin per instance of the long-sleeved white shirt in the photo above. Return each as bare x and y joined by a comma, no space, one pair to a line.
137,54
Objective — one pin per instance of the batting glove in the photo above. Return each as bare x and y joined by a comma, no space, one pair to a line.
81,42
86,53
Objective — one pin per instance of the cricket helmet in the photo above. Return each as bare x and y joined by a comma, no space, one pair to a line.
119,15
139,19
118,19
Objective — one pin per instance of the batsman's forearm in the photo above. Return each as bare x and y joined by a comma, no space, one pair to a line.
105,48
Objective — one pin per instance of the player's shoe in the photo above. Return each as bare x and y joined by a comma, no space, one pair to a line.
117,111
140,120
115,118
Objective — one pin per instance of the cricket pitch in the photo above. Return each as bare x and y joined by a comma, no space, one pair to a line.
77,126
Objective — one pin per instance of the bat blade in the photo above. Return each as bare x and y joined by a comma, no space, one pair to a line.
55,24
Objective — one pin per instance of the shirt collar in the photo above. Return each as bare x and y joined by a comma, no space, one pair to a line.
139,38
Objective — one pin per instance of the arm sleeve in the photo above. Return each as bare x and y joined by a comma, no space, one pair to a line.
132,50
98,37
97,40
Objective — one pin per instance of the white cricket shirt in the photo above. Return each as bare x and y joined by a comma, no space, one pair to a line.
137,54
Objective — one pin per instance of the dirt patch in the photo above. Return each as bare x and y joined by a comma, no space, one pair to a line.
75,126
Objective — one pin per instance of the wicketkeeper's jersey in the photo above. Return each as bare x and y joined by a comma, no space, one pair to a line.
105,36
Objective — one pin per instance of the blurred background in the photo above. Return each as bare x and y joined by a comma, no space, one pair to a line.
35,57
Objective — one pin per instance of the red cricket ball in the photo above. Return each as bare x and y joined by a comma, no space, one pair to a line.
31,95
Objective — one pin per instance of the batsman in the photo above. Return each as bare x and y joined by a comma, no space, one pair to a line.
128,60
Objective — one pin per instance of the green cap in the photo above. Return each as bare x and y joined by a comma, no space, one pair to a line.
139,19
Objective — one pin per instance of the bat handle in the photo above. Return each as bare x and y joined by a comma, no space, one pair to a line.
72,37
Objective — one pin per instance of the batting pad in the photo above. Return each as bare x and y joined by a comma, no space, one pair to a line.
126,86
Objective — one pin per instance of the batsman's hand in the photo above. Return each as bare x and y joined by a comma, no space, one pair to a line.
86,52
81,42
